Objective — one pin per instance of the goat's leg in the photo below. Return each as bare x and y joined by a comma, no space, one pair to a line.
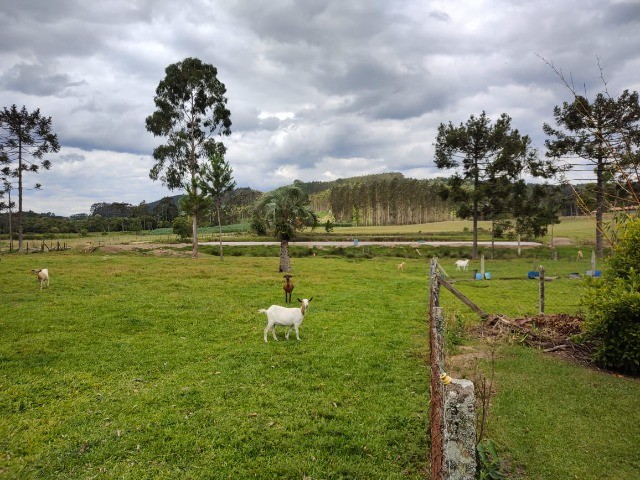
297,333
273,331
286,335
266,331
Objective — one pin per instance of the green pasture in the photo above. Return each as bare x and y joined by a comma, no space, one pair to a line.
139,366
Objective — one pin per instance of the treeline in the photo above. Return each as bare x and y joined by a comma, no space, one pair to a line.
119,216
311,188
384,201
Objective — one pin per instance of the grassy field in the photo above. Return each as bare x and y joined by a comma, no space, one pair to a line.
140,366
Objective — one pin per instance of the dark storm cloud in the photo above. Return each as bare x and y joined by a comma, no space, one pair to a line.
38,80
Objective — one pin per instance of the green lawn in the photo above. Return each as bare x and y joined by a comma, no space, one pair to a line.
138,366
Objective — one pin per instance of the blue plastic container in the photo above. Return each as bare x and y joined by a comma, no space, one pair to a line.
487,275
478,276
533,274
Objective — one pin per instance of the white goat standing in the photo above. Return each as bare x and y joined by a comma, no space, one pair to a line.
43,276
462,264
286,317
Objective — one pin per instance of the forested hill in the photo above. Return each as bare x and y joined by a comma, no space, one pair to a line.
318,187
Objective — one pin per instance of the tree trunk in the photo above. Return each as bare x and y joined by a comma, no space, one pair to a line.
195,237
476,186
475,228
219,228
285,260
599,205
20,219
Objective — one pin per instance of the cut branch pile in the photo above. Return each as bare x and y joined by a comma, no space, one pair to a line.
552,333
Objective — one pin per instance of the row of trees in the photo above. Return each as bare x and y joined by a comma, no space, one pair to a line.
397,201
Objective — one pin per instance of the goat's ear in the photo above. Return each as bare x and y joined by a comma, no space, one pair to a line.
311,299
300,300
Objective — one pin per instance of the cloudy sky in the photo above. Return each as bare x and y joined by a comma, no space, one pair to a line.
318,89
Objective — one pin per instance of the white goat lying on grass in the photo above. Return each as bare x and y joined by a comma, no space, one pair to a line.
43,277
462,264
286,317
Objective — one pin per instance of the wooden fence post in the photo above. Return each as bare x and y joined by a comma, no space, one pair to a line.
436,352
541,290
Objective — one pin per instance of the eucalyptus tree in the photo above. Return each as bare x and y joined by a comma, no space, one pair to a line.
25,138
606,133
480,151
284,212
191,110
217,180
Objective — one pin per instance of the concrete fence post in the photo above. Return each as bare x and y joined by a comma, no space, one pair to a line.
459,430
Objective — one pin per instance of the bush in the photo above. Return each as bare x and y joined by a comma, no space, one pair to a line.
183,227
613,306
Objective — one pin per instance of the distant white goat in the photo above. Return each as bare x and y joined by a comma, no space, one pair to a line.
462,264
43,277
286,317
401,266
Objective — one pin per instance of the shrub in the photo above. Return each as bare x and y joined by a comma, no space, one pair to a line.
182,227
613,306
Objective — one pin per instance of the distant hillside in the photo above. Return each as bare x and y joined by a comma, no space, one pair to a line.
317,187
239,195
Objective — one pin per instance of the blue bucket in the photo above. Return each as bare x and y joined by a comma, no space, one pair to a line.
533,274
487,275
478,276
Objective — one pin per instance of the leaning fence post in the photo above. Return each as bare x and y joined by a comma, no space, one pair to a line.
436,352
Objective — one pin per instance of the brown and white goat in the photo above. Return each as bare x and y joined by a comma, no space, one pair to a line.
288,288
43,277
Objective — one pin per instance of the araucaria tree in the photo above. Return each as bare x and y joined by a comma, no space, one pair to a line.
190,111
25,138
217,180
483,153
606,133
284,212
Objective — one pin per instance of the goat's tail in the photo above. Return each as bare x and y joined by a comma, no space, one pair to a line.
262,310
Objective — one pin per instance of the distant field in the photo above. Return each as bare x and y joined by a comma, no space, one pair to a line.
578,230
435,227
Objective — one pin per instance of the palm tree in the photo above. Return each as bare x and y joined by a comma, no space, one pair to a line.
285,212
